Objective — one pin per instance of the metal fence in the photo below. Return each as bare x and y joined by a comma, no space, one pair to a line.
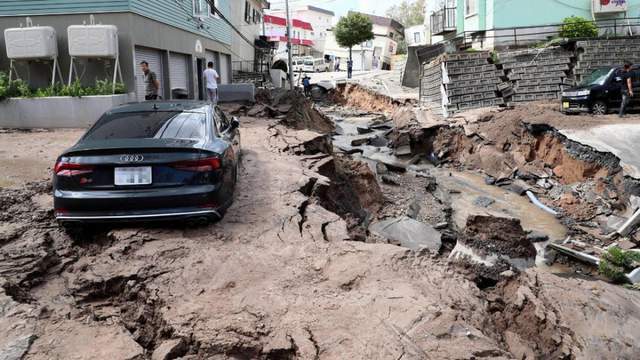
443,20
529,35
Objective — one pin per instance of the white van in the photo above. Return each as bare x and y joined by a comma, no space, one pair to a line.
298,62
315,65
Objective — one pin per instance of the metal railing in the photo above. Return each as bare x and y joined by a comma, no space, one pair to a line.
529,35
443,20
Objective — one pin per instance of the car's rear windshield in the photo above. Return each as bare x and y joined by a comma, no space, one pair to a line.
308,62
149,125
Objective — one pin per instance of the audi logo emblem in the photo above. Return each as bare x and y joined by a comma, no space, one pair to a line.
131,158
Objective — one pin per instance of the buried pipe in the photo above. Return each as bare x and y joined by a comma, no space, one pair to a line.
542,206
628,226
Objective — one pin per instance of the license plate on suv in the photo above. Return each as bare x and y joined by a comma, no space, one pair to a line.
126,176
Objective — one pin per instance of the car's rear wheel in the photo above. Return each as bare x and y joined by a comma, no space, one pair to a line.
599,108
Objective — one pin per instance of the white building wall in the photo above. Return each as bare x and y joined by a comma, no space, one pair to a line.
243,51
320,22
410,35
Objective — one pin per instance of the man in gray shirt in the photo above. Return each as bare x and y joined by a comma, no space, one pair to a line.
152,85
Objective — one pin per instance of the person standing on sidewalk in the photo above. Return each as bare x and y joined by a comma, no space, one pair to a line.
151,83
211,77
626,87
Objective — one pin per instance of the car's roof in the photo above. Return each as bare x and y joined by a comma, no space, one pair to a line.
163,105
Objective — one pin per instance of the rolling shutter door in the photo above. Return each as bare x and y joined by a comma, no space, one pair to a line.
213,56
225,69
154,58
178,71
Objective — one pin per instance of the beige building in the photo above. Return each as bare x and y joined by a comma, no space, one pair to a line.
248,17
373,54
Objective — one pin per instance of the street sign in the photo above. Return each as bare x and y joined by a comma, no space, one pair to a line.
609,6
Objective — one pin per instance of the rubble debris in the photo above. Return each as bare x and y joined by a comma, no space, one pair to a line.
483,201
488,240
408,233
389,180
169,350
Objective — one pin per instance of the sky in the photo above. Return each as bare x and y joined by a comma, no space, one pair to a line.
341,7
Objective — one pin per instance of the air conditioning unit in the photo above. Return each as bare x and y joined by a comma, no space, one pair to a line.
93,41
37,42
609,6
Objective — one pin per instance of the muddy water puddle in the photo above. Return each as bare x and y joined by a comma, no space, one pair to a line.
466,188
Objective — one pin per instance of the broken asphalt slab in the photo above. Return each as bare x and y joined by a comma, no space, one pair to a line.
619,139
408,233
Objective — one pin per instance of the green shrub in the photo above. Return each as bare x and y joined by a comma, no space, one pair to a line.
616,263
19,88
578,27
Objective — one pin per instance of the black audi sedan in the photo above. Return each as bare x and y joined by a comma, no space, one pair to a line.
599,92
150,161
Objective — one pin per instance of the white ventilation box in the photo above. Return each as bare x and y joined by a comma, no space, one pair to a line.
95,41
36,42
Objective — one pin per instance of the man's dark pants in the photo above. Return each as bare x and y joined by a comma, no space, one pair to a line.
151,97
625,102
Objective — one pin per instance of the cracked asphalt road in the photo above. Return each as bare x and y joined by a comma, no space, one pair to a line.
276,280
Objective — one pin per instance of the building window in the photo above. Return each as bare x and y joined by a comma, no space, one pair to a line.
247,12
369,44
217,7
470,7
416,37
200,8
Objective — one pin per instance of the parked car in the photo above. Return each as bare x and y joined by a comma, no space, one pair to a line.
599,92
150,161
315,65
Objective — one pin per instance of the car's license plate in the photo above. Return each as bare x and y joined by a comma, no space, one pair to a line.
565,105
133,175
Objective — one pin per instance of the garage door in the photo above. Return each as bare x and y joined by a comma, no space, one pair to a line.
214,57
225,68
179,71
154,58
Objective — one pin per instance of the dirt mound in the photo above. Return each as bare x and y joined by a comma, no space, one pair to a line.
492,235
354,95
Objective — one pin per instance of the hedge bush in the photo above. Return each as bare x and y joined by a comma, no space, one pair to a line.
578,27
18,88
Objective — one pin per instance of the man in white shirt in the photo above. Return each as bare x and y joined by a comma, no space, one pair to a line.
211,77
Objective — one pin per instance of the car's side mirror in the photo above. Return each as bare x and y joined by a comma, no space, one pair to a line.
235,123
618,79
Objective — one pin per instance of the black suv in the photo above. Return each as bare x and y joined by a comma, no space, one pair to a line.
600,91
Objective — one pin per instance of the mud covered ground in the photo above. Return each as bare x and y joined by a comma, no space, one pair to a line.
281,278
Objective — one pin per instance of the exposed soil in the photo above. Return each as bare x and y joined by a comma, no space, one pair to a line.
491,235
281,277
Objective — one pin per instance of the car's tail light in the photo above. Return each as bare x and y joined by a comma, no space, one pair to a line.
70,169
200,165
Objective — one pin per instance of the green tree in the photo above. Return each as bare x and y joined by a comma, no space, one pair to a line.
408,13
352,30
578,27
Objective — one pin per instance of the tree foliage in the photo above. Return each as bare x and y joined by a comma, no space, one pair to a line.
408,13
353,29
578,27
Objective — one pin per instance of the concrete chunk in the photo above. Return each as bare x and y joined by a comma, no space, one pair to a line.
408,233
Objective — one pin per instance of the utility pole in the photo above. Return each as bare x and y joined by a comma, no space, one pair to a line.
289,45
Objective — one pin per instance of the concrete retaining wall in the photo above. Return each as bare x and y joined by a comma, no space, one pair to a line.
57,112
237,92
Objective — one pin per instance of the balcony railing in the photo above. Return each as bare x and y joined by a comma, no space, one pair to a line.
443,21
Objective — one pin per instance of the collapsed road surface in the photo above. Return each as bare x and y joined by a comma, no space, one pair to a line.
281,277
